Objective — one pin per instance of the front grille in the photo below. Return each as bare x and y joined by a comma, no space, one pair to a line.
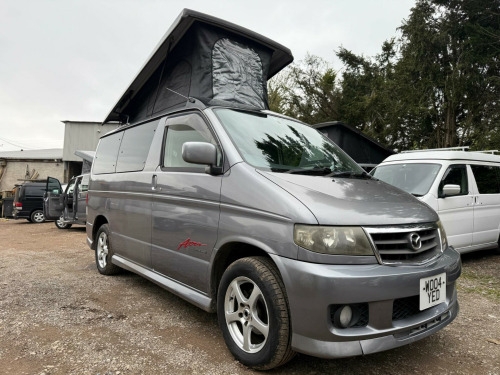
405,307
394,245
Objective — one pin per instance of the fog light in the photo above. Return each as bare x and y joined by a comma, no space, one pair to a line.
343,316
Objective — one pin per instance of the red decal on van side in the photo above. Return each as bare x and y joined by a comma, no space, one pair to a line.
188,243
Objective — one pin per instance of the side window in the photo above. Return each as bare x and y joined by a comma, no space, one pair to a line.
106,154
487,178
181,129
85,183
34,191
455,175
135,146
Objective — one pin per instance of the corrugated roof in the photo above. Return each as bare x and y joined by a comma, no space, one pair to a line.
49,153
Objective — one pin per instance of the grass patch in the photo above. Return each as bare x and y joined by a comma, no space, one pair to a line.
473,282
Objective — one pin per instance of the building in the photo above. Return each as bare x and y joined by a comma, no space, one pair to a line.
17,166
365,151
81,136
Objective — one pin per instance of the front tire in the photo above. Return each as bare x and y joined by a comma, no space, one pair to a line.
253,313
103,252
61,224
37,217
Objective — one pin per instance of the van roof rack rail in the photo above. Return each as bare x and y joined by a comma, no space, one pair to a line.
460,148
493,152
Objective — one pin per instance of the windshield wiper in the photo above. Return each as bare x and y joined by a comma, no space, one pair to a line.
350,174
320,171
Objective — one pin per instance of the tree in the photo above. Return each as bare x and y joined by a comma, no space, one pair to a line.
437,85
449,71
306,91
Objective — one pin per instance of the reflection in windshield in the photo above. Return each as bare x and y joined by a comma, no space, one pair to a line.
283,145
414,178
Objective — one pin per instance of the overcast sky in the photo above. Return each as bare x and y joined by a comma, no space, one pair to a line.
72,60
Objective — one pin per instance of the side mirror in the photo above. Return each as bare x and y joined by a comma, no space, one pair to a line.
451,190
201,153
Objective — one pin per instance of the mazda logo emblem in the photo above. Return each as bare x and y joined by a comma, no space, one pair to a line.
415,241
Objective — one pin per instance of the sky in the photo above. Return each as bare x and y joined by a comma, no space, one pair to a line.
73,59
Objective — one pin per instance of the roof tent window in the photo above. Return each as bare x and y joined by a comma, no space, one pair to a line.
237,74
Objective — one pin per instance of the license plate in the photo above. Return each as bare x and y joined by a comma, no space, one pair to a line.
432,291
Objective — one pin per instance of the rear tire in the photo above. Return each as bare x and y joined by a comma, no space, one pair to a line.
253,314
103,252
37,217
61,225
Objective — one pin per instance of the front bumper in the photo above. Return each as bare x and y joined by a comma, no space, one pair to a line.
313,289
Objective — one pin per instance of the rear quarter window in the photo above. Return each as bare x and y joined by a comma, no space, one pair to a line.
34,191
135,147
487,178
107,153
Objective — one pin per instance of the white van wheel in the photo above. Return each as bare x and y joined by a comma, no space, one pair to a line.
252,310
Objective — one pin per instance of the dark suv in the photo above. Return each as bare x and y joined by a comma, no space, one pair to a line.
28,202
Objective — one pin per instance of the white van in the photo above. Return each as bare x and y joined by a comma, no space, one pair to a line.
463,187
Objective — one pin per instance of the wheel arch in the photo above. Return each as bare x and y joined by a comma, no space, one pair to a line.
99,221
226,255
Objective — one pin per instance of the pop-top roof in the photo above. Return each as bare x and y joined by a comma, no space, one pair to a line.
206,58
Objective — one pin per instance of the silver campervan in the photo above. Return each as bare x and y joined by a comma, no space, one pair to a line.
257,216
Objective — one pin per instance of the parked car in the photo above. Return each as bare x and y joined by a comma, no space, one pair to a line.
66,207
462,187
28,202
257,216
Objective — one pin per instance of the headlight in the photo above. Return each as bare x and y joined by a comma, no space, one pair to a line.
332,240
442,233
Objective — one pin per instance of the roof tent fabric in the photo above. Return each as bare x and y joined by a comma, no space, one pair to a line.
205,58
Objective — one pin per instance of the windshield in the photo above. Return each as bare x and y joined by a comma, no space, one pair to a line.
282,145
414,178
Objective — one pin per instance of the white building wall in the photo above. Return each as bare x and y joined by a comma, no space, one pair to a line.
14,171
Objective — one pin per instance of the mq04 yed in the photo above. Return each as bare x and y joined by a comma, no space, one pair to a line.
257,216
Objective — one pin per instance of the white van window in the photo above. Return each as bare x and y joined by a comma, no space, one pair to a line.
487,178
181,129
455,175
414,178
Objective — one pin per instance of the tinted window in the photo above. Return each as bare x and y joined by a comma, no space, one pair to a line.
487,178
53,185
36,191
181,129
414,178
106,154
135,146
455,175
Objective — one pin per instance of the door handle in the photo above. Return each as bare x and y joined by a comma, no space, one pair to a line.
155,183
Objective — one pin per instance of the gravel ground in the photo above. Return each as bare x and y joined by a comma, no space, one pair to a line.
58,315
